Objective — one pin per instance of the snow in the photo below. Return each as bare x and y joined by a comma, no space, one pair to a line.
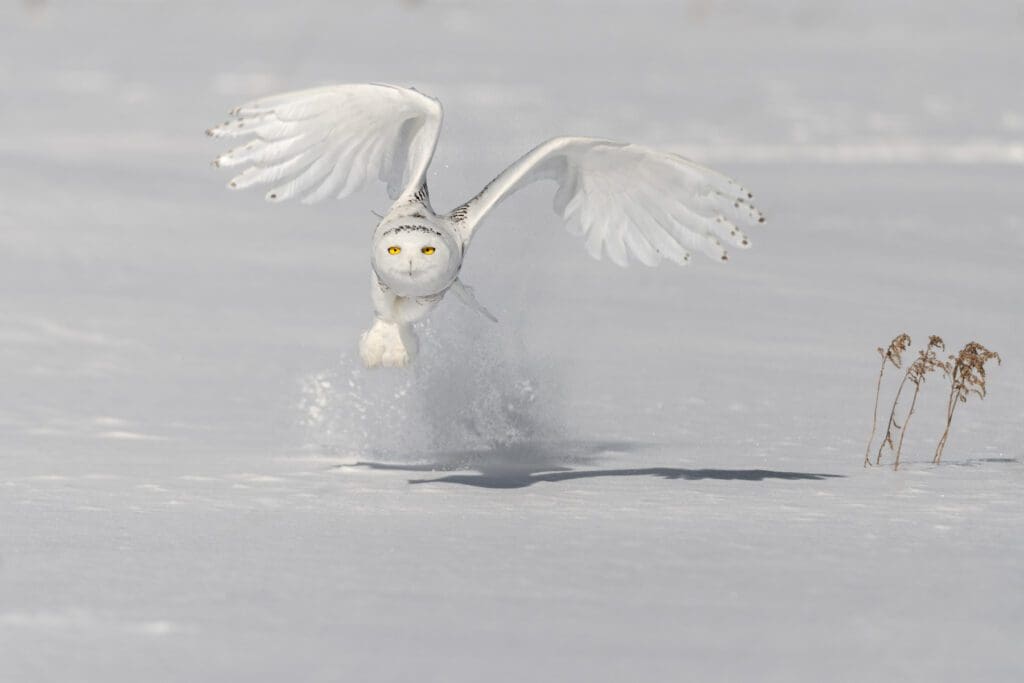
635,475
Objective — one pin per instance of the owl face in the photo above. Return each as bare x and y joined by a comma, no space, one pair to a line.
415,259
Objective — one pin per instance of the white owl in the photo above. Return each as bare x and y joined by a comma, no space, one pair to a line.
626,201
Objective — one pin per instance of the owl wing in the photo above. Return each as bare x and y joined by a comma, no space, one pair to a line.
333,140
627,201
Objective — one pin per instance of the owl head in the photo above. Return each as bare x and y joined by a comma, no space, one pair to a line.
415,258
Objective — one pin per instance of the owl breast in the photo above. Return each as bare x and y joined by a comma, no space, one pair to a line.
416,256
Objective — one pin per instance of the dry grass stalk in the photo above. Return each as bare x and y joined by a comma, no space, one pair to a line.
891,426
893,355
966,371
927,361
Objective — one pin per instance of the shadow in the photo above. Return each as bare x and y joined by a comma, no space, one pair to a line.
513,475
533,456
977,462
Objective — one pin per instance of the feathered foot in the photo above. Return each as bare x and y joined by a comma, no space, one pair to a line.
388,344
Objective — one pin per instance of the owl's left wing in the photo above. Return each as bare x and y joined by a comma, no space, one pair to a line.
627,201
331,141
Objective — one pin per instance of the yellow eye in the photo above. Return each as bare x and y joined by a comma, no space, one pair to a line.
428,250
394,250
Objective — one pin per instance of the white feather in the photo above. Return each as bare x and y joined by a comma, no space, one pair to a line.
628,201
302,137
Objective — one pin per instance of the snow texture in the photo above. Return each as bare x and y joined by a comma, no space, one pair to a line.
658,479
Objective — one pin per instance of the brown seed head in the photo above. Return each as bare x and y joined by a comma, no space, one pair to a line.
927,361
894,354
969,370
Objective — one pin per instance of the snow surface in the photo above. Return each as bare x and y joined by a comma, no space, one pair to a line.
638,474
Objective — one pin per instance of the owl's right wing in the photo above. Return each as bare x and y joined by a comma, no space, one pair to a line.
627,201
331,141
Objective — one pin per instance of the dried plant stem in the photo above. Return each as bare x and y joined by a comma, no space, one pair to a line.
906,423
950,409
966,372
892,422
874,415
926,362
894,355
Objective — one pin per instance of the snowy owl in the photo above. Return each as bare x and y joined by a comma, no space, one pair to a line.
626,201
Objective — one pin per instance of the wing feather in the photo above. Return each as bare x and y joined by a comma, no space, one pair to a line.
301,140
627,201
640,248
662,241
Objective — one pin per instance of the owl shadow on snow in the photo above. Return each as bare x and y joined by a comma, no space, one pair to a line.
525,464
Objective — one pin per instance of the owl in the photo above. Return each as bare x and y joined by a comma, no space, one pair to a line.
627,202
